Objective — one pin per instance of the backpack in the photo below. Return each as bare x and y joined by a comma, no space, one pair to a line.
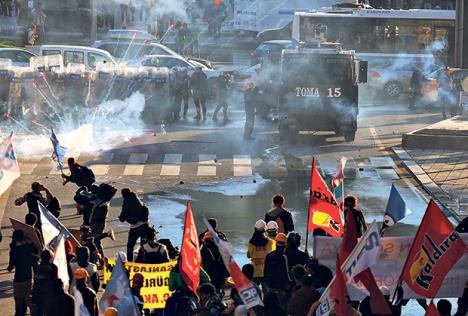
142,213
155,256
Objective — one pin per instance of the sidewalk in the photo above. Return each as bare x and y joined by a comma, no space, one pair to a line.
443,173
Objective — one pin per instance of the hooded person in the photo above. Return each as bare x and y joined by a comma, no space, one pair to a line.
258,248
280,215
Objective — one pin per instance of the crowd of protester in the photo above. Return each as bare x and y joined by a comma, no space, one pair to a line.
288,279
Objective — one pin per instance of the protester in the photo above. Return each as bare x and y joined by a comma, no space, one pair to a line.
272,230
322,275
258,248
23,260
212,262
214,223
276,276
82,262
351,203
294,254
31,220
298,272
137,283
111,311
365,305
211,304
237,306
82,176
152,252
44,285
180,304
89,296
176,282
303,298
136,214
444,307
280,215
272,307
33,197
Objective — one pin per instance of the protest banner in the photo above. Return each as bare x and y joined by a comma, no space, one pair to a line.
155,289
29,233
394,250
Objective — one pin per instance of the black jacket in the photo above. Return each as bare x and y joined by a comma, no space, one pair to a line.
133,210
276,272
89,299
199,82
281,216
295,257
23,259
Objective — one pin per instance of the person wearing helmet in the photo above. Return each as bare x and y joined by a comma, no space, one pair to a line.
276,277
258,248
89,296
272,230
111,311
294,254
199,86
280,215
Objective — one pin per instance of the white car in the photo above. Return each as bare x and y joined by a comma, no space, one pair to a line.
175,61
18,57
87,56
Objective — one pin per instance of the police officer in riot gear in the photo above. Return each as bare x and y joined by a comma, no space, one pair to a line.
249,101
199,86
180,92
223,86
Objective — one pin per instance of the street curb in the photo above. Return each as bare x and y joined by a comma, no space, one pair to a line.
434,190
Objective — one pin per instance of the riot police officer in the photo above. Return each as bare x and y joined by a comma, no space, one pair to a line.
249,101
199,86
179,92
223,86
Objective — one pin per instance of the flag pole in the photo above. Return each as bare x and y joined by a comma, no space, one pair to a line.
308,209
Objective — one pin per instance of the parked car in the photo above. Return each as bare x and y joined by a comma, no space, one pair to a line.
269,50
18,57
76,54
176,61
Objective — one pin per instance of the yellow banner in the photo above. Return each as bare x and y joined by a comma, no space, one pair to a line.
155,290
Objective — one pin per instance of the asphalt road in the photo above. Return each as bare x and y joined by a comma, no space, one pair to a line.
226,176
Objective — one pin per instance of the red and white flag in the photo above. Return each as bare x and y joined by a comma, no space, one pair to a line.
190,256
435,250
324,212
339,175
432,310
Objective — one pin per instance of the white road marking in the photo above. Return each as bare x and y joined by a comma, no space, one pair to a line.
242,160
242,171
135,166
206,171
206,159
102,167
170,170
139,158
172,158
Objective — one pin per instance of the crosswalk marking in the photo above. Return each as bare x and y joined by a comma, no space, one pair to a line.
206,171
27,167
242,160
102,167
170,170
136,164
138,158
100,170
172,158
242,171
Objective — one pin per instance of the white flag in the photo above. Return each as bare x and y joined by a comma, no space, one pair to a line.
9,169
49,230
80,308
364,255
60,259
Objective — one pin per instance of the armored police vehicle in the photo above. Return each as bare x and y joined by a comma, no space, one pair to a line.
319,89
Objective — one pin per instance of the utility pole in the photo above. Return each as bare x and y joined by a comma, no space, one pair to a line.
461,34
93,35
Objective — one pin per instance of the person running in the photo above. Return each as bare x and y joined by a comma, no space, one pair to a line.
351,204
258,248
136,214
280,215
81,175
22,259
89,295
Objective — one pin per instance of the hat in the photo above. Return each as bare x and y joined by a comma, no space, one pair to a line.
138,278
260,225
281,238
385,290
272,225
208,235
80,274
111,311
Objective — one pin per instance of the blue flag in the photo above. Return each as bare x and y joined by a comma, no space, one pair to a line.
396,209
59,151
118,293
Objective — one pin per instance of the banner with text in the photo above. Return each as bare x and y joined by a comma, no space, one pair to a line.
394,251
155,290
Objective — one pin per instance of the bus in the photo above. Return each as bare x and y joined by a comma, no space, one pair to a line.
394,42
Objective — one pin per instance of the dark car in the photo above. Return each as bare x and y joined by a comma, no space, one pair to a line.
269,51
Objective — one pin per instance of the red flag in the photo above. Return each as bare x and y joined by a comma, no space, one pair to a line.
378,303
339,292
323,210
217,2
190,258
435,250
432,310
